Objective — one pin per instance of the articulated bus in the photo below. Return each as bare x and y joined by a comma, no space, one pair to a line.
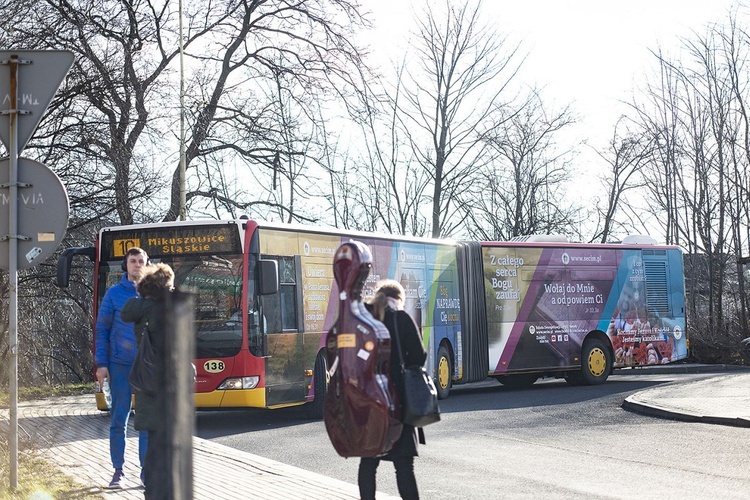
515,311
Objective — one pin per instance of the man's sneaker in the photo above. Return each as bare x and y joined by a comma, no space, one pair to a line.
118,480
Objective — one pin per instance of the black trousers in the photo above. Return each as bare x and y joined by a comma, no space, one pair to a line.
154,469
405,479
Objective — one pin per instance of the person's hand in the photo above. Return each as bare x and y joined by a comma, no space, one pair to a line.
101,374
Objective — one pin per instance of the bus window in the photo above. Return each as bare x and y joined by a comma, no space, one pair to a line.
282,310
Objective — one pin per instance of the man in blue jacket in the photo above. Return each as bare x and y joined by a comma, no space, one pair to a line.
115,351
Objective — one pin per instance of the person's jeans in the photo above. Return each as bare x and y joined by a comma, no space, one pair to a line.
120,413
405,479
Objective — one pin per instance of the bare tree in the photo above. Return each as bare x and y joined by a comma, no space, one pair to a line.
521,191
255,71
261,83
113,120
698,176
626,157
734,50
395,184
101,123
463,77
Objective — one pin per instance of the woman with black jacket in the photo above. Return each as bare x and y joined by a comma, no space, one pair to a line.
148,314
387,306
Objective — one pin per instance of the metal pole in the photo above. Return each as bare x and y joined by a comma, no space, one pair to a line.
13,272
174,464
183,173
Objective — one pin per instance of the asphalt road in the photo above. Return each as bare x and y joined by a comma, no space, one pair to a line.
549,441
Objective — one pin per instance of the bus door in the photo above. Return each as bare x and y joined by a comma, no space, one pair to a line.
443,325
283,317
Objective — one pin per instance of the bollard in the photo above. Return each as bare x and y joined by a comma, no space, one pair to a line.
175,467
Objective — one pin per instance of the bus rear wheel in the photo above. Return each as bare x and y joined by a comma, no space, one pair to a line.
320,386
444,372
596,364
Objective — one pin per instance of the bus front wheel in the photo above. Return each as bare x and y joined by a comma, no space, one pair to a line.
444,372
320,386
596,362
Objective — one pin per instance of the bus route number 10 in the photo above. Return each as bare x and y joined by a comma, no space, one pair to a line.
121,247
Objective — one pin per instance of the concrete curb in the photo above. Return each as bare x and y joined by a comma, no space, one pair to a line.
672,369
722,399
632,404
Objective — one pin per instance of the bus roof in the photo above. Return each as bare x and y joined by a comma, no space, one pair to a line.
552,240
283,226
633,243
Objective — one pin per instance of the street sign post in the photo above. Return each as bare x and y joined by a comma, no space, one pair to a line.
24,96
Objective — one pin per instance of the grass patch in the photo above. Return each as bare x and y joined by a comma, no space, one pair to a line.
39,480
46,391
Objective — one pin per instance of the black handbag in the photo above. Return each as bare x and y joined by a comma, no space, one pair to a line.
419,399
144,374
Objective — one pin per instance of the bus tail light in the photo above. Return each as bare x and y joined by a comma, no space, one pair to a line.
237,383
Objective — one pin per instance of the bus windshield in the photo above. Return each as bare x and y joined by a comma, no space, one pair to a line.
217,283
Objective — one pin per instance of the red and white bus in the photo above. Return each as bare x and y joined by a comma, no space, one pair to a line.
515,311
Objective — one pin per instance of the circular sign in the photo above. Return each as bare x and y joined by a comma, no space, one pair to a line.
42,213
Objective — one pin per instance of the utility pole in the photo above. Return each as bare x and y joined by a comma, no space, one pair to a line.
183,167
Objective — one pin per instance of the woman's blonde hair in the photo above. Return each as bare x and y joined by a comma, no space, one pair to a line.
156,279
384,290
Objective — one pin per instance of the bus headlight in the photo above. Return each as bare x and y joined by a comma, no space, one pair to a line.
237,383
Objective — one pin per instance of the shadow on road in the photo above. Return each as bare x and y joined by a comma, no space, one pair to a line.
487,395
490,395
215,423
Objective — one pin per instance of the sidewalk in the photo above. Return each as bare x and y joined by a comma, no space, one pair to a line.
72,433
721,399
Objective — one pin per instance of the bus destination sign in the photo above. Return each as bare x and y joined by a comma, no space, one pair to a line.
171,241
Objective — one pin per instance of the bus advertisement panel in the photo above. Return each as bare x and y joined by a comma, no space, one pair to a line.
426,270
542,302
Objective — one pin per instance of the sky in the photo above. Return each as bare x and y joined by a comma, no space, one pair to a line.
591,54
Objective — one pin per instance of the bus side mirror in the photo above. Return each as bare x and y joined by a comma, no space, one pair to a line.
268,277
65,261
